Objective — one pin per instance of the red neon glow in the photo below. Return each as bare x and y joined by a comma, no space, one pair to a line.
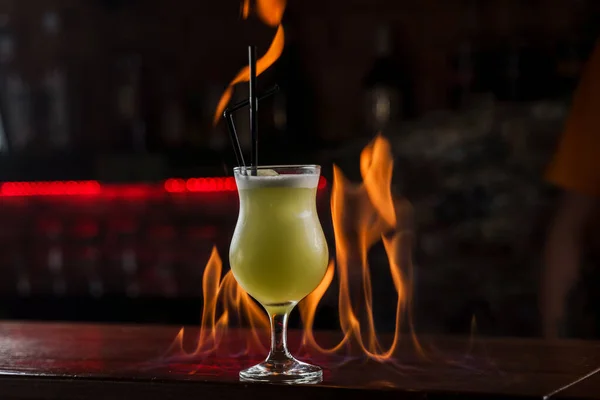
70,188
95,188
200,185
210,185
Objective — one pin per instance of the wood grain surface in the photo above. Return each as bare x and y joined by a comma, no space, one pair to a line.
70,361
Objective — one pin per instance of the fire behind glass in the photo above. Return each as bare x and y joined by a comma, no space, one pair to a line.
279,255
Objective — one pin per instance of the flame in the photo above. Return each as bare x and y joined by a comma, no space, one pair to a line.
270,12
245,9
218,290
363,215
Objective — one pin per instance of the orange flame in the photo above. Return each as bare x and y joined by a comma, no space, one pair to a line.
224,291
363,215
269,12
245,9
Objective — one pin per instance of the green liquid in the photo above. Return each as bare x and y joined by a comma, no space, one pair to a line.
278,252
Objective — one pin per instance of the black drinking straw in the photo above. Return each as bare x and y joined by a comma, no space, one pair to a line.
235,141
228,115
253,107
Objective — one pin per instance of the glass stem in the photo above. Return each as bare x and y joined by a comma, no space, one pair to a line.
279,353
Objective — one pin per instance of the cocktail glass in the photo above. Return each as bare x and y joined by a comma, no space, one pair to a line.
279,255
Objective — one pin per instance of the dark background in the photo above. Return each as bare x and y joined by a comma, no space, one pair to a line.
485,87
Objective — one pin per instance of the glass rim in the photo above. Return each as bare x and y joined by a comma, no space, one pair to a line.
307,167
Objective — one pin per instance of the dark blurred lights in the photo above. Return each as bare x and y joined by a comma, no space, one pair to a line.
95,188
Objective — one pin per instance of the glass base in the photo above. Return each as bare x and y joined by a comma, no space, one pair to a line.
291,371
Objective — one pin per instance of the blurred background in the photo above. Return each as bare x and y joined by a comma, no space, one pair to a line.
110,103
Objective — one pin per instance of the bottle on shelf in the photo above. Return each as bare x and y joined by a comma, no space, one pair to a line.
54,90
462,62
462,66
131,127
387,97
172,124
16,111
569,64
527,67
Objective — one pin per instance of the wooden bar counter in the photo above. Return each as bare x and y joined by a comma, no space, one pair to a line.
54,361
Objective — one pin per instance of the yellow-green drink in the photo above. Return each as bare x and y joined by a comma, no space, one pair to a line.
279,255
278,252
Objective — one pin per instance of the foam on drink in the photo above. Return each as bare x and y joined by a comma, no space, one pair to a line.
270,178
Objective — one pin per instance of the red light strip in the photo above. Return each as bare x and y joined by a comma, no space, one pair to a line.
200,185
70,188
95,188
210,185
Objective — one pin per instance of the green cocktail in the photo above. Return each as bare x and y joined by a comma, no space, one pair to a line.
279,255
278,252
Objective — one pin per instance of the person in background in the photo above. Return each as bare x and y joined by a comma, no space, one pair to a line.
575,168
